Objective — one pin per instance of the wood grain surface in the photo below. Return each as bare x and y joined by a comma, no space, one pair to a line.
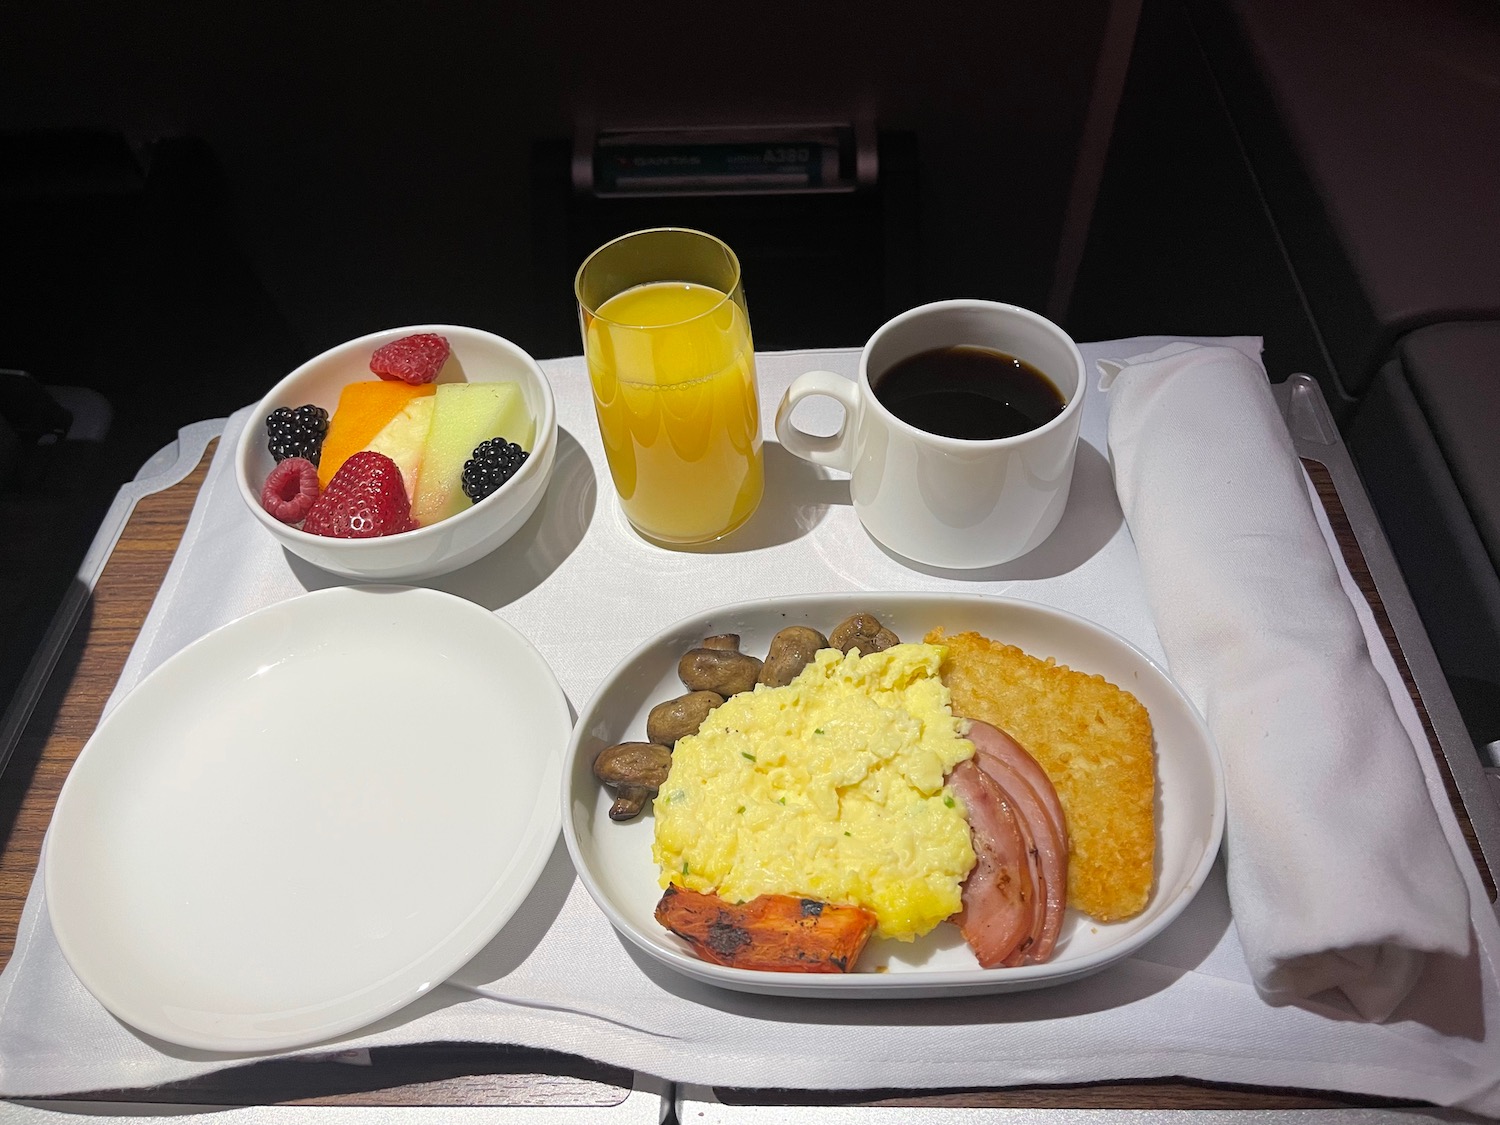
82,681
467,1074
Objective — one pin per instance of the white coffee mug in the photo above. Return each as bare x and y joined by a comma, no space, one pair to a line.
943,501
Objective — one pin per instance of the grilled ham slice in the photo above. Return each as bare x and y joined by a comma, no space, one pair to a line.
999,896
1036,806
1016,896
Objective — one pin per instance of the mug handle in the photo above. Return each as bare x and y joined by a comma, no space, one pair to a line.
835,451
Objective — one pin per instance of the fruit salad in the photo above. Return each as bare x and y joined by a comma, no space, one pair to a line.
400,451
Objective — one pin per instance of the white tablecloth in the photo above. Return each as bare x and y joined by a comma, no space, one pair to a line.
558,977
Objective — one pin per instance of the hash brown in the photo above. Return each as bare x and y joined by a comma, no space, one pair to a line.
1094,741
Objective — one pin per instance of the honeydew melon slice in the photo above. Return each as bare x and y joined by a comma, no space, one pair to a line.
364,409
464,414
404,439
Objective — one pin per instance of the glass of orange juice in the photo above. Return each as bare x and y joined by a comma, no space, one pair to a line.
667,340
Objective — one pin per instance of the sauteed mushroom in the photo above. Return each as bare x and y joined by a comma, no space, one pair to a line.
629,803
680,717
634,770
718,665
791,650
864,632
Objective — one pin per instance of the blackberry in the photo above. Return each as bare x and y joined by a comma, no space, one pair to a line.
493,463
296,433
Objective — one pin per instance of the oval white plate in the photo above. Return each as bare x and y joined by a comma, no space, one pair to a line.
614,860
307,818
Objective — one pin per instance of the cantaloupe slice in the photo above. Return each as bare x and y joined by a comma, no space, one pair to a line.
464,415
404,439
364,409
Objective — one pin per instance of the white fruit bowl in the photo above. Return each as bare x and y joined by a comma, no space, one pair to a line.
477,357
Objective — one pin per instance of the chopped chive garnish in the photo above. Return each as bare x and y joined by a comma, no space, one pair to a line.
747,754
948,801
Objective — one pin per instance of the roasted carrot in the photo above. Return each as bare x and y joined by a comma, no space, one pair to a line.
780,933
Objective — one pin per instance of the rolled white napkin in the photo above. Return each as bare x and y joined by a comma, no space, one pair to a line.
1340,876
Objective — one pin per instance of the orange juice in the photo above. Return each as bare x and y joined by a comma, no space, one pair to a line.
673,373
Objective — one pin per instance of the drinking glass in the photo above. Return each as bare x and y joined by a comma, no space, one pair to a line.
667,338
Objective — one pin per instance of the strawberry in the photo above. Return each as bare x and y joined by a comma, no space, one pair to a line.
412,359
291,489
364,499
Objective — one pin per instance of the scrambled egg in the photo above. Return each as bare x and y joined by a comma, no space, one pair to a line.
829,788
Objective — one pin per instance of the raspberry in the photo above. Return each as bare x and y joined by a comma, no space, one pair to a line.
364,499
296,433
493,463
290,490
412,359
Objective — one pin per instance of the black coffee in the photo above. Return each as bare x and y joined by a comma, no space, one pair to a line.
968,392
